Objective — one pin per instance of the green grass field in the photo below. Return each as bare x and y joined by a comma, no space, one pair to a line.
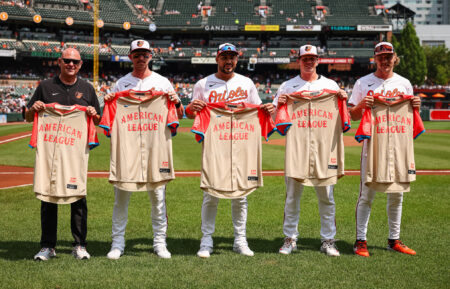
424,228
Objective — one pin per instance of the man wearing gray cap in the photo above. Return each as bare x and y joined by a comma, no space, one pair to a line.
140,79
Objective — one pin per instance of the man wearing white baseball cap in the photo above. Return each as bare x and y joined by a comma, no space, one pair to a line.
308,80
140,79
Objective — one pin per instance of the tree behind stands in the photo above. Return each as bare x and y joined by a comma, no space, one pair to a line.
413,63
438,64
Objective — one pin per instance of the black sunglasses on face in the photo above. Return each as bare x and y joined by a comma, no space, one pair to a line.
74,61
135,56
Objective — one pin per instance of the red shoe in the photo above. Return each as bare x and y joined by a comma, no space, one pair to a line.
397,245
360,248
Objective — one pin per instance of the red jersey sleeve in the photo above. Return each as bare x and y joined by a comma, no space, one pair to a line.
267,125
109,113
418,127
283,120
33,139
343,111
201,124
365,126
92,133
172,118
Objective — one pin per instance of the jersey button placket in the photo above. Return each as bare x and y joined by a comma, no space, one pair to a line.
390,146
312,143
234,155
56,156
142,147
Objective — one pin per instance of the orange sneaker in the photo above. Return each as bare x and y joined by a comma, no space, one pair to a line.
360,248
397,245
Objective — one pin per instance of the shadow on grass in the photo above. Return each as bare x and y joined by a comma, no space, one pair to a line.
18,250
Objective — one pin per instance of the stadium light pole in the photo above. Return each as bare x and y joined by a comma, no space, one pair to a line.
95,72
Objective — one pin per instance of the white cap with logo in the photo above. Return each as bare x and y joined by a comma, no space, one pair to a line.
140,44
307,50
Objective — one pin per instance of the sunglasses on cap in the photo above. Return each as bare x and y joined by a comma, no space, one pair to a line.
226,47
74,61
384,48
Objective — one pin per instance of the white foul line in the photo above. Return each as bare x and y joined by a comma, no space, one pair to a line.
15,186
14,138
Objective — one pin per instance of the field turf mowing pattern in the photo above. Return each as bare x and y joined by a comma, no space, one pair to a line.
424,228
431,151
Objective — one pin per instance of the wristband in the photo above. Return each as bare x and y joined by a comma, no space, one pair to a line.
177,105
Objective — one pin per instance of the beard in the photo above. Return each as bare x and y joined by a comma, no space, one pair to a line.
227,71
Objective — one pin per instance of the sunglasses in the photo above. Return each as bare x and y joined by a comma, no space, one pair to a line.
137,55
226,47
384,48
74,61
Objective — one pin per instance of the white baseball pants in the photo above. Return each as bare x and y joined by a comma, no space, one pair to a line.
238,214
364,205
327,210
120,217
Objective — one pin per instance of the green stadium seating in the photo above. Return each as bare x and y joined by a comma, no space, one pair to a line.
63,14
15,10
291,9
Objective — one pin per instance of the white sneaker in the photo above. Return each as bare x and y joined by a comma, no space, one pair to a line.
45,254
80,252
288,246
114,254
329,247
244,250
162,252
205,252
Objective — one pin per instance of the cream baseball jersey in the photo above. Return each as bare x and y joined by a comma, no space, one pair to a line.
238,89
153,82
62,136
390,127
371,85
141,125
231,156
314,122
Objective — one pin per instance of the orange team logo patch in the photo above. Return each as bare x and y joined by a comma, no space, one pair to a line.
308,48
78,94
140,43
